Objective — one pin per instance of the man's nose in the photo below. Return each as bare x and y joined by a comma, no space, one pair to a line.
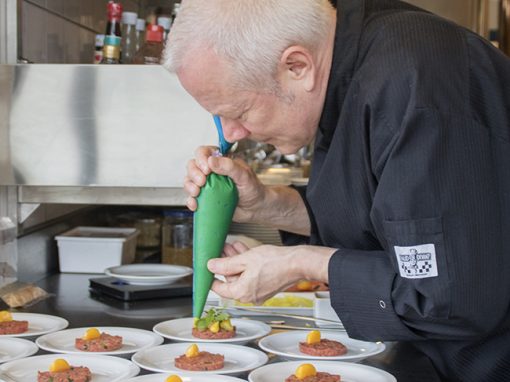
233,130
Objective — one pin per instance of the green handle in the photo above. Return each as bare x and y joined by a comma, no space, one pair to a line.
216,204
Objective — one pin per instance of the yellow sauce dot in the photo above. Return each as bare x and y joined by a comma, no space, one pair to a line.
5,316
226,325
215,327
91,334
313,337
173,378
59,365
192,351
304,285
305,370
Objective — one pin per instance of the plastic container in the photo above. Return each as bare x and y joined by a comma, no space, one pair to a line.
177,238
93,249
140,34
323,309
166,23
150,52
128,45
175,11
148,225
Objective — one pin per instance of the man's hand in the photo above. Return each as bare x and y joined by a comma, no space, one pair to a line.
251,191
254,275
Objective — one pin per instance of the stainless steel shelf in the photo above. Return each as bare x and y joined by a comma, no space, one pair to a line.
103,195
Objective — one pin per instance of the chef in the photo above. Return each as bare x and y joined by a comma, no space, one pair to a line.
407,211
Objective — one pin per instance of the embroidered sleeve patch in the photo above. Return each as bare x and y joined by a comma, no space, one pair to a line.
417,262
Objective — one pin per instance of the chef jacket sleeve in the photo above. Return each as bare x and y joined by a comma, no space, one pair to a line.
441,212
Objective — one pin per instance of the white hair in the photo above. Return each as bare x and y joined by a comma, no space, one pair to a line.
250,35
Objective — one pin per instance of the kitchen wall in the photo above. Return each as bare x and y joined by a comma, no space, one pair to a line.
478,15
63,31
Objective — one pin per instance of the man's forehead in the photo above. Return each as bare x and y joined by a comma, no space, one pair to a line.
207,79
225,105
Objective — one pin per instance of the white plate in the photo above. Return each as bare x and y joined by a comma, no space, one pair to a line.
180,330
186,377
104,368
132,340
149,274
299,181
349,372
238,359
38,324
286,345
15,348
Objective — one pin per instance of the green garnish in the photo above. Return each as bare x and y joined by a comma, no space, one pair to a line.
211,316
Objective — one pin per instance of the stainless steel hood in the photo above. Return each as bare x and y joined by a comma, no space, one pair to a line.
76,133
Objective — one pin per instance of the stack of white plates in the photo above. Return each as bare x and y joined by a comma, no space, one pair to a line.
262,233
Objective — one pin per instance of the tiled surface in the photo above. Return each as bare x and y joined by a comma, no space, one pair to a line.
49,38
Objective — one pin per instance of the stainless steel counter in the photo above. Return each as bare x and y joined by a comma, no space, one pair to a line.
71,299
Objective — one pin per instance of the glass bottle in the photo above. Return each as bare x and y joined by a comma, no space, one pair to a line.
177,238
114,14
140,34
150,52
128,46
111,50
98,52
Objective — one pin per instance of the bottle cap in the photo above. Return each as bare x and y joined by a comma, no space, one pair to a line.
129,18
165,22
99,39
154,33
140,25
112,40
114,10
178,213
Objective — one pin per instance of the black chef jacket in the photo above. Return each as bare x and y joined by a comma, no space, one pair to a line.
411,182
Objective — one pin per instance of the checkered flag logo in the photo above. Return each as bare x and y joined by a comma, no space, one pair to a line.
416,263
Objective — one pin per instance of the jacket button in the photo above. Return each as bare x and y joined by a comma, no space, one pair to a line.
382,304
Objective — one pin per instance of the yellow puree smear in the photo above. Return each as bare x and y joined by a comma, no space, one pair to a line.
288,301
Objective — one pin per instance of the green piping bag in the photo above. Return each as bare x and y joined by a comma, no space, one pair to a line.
216,204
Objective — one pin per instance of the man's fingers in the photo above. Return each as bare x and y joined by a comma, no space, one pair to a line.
229,250
232,279
224,289
239,247
195,174
235,169
191,203
227,266
201,155
191,188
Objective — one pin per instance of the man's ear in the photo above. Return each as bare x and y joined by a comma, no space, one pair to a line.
296,64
